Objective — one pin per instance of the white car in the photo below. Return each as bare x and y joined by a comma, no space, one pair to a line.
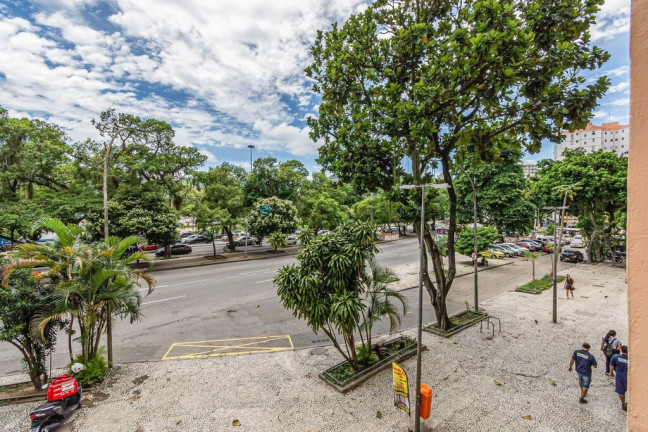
577,242
323,232
291,240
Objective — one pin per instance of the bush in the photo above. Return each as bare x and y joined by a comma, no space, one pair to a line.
95,369
366,356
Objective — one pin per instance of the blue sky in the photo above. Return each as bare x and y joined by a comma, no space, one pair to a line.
224,74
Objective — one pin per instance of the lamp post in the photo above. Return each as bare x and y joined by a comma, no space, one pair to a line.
555,264
475,279
251,146
419,344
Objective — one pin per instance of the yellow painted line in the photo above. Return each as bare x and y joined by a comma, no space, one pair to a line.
216,347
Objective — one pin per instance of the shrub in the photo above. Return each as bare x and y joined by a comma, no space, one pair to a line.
95,369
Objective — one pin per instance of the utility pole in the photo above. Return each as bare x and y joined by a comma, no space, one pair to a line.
251,146
555,264
475,278
419,343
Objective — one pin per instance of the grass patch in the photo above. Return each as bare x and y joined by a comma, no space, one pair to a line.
542,284
464,317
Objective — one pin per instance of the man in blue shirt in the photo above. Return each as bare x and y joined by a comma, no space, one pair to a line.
584,363
619,366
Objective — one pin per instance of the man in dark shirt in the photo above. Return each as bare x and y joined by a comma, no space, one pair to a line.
619,367
584,363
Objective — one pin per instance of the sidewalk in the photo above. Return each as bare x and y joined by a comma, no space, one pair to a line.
281,391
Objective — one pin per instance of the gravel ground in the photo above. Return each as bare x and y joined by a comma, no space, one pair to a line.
281,391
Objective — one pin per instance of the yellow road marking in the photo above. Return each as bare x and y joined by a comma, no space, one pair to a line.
221,347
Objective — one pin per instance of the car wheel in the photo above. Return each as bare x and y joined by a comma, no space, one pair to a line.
562,259
507,255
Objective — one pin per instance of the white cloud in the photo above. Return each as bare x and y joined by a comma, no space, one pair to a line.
612,20
620,102
211,158
619,87
607,117
229,69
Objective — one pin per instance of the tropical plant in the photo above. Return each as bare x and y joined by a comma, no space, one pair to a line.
466,240
332,291
92,282
277,240
22,300
380,300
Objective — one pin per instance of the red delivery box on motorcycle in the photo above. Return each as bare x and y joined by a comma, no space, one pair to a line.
62,387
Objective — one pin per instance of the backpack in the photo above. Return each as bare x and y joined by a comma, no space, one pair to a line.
608,350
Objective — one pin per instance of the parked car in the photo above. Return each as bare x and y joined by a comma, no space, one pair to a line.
578,241
148,247
491,253
571,256
185,234
291,240
530,245
238,233
196,238
507,252
513,251
240,241
176,249
323,232
518,249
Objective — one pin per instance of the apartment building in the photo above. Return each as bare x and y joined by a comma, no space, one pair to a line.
611,137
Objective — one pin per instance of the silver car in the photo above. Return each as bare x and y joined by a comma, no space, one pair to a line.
519,251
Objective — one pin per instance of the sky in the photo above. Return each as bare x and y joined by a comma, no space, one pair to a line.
225,75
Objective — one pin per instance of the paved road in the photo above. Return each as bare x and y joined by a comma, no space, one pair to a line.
238,300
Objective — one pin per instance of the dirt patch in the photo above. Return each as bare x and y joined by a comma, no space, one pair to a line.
95,398
140,379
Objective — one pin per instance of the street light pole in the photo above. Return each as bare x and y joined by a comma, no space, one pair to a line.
251,146
419,337
555,265
475,278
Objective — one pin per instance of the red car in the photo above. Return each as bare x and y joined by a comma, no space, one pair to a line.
148,248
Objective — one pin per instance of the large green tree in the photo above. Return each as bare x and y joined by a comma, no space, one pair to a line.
406,82
271,178
224,195
282,217
598,185
500,187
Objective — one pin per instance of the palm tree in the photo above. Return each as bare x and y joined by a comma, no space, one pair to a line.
119,279
380,300
92,282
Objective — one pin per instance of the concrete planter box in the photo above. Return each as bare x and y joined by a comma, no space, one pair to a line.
476,317
358,378
387,237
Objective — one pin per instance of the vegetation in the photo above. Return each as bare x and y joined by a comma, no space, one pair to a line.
466,240
277,240
592,186
536,286
411,82
334,292
91,282
22,301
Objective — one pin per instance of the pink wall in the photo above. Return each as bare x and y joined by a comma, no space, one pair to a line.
637,221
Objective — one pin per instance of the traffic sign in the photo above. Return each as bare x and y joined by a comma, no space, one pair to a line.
264,210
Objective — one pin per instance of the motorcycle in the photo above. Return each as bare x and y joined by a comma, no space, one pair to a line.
63,398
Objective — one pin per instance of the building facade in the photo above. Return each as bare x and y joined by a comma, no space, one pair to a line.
530,168
609,137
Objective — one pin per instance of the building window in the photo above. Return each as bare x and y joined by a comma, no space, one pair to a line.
621,138
593,133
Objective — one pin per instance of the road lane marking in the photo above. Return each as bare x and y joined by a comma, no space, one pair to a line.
178,284
166,299
229,347
250,273
267,280
408,254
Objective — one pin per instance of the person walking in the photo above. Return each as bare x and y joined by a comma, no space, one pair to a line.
584,364
569,286
610,345
619,368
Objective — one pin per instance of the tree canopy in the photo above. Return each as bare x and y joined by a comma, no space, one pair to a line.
409,82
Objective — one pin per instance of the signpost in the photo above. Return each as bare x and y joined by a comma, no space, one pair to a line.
264,210
401,389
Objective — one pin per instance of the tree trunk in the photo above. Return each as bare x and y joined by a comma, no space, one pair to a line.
70,332
213,242
105,184
109,338
230,240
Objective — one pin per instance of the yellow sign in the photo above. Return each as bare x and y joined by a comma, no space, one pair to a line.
401,388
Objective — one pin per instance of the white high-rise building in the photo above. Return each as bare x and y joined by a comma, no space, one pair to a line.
611,137
529,168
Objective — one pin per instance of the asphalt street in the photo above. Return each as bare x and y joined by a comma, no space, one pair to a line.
232,308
